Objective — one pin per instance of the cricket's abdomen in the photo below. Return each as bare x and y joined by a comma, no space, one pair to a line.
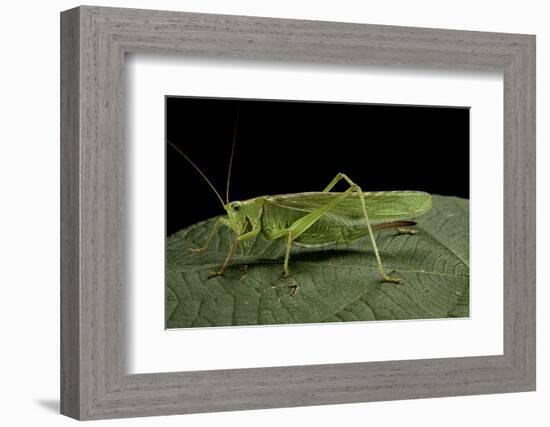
318,236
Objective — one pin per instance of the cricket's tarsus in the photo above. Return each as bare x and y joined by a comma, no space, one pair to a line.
212,274
316,219
197,250
405,230
293,290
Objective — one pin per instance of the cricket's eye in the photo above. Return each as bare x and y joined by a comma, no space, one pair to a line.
235,206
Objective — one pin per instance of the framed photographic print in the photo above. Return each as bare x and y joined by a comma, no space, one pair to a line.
332,278
262,213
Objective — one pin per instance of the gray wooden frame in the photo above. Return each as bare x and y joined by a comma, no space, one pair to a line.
94,382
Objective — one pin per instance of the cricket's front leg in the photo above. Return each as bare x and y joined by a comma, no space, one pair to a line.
210,237
253,233
230,254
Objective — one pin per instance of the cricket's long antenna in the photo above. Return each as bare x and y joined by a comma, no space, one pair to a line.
231,158
198,170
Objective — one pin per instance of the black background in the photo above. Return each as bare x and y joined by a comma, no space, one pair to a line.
295,146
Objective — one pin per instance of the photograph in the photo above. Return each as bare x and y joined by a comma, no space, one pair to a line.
296,212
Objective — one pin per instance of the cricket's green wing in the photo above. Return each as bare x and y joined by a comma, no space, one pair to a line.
382,206
344,222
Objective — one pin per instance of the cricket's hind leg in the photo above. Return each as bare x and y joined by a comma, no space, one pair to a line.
356,189
301,225
287,254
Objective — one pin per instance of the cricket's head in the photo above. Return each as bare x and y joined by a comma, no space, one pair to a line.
243,217
236,217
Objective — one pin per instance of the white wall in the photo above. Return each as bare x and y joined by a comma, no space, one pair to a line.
29,226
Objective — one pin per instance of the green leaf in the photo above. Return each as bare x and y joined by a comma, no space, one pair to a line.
331,284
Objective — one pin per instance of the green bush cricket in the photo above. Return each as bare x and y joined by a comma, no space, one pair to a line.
316,219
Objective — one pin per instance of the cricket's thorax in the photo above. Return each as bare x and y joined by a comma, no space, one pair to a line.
243,216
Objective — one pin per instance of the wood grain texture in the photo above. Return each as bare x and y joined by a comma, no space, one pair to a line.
70,291
94,382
